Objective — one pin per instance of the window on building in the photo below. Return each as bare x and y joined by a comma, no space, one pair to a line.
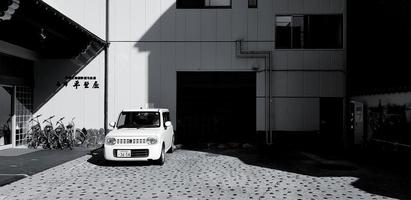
185,4
252,3
309,32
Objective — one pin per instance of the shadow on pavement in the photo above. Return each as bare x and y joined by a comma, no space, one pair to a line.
373,177
376,175
15,166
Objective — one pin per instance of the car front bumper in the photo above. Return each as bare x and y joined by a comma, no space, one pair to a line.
154,152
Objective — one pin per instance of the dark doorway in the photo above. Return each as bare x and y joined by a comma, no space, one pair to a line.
6,112
331,118
216,107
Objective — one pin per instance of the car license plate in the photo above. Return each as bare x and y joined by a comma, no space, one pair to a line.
124,153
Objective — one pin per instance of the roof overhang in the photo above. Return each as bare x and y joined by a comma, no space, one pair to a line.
36,26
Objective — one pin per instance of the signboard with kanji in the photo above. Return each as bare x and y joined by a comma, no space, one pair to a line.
85,82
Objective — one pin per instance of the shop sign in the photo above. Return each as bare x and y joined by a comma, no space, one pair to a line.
85,82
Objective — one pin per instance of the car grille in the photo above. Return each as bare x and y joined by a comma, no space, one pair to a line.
135,153
131,141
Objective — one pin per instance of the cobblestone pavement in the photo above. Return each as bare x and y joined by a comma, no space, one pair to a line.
185,175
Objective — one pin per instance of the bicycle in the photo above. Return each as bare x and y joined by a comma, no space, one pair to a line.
52,139
80,137
71,132
34,135
63,137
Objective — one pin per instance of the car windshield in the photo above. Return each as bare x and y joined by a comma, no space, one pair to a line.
139,120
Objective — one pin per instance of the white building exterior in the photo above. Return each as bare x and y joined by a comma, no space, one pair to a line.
151,40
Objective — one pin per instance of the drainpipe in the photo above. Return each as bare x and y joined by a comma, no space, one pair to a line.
106,56
267,56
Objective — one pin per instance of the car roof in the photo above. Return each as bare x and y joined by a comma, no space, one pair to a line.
146,110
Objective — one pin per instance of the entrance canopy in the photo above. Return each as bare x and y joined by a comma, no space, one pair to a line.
34,25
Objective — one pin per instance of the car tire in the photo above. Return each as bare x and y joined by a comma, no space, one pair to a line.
162,158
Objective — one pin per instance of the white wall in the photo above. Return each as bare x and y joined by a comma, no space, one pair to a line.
151,40
88,13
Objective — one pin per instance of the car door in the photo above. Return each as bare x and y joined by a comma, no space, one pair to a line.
168,130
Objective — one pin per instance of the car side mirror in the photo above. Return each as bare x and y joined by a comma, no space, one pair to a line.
112,124
167,124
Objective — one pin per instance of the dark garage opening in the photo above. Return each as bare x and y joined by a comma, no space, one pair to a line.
216,107
331,117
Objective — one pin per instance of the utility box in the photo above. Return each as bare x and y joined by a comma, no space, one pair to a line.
408,113
357,121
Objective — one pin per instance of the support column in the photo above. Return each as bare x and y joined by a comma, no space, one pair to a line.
106,71
13,118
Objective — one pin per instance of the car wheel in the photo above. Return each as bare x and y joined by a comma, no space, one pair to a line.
162,158
172,147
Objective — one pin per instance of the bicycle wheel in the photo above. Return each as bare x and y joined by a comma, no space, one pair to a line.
29,138
70,144
56,143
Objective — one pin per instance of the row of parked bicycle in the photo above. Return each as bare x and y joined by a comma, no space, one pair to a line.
58,136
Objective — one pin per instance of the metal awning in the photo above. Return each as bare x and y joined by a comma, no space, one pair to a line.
381,91
34,25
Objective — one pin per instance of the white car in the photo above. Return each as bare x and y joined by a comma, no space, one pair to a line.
140,135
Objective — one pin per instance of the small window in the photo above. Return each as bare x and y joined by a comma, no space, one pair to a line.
201,4
252,3
309,32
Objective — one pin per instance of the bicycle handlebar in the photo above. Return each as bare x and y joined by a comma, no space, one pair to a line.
36,117
61,119
48,118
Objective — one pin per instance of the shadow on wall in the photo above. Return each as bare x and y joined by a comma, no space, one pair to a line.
161,62
52,75
48,73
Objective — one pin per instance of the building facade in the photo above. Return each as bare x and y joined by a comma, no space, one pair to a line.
39,46
257,68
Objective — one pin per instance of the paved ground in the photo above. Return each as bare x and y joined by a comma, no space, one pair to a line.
187,174
19,163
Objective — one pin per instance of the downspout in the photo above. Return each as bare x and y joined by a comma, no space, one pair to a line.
267,56
106,57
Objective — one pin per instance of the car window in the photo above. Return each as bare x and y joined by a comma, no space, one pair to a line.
166,117
138,120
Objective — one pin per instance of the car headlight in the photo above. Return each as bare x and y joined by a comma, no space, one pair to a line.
110,141
151,140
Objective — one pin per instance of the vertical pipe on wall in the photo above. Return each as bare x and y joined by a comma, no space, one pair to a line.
267,55
106,70
270,135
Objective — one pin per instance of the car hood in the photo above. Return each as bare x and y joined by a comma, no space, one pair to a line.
133,132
